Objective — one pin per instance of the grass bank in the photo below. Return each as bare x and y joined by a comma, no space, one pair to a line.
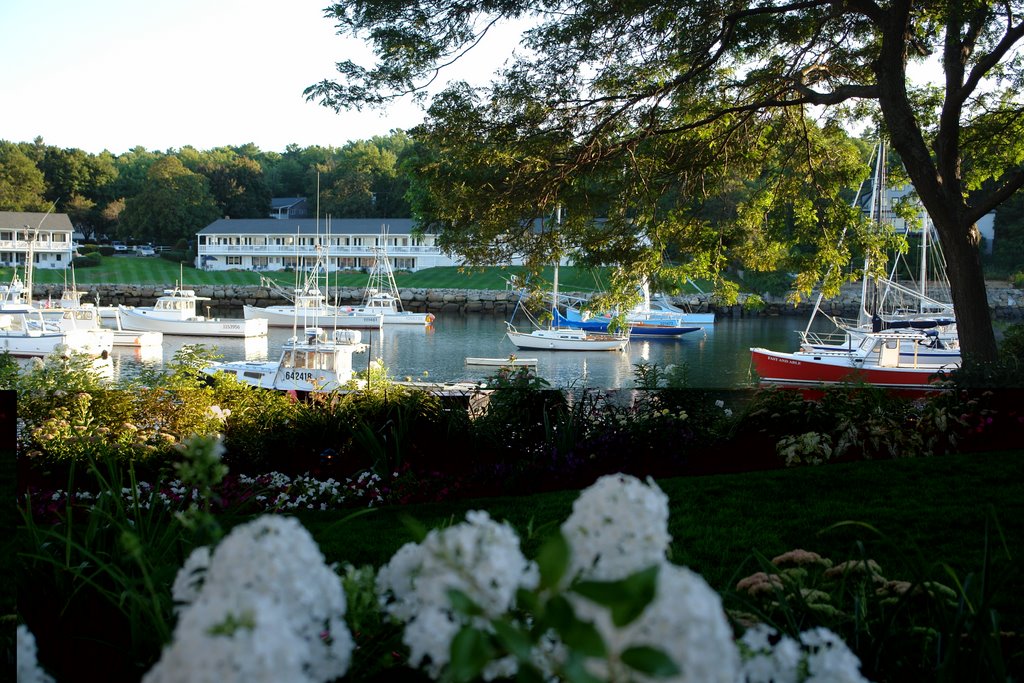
161,272
935,515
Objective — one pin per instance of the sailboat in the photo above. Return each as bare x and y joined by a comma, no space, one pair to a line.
556,338
890,305
901,351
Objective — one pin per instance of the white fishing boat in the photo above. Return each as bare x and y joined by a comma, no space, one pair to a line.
175,313
31,331
310,306
69,311
28,335
315,362
382,296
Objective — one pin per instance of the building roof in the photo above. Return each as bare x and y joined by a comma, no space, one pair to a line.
308,226
16,220
285,202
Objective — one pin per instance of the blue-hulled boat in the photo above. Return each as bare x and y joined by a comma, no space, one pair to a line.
574,319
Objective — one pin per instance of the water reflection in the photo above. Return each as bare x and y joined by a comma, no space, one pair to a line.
719,357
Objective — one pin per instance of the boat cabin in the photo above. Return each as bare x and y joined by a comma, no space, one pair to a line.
380,302
178,303
318,360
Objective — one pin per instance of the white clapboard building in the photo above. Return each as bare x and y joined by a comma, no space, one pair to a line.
46,236
269,244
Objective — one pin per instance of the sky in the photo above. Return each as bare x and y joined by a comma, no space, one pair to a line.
117,74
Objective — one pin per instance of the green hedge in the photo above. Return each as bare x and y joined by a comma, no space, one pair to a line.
90,260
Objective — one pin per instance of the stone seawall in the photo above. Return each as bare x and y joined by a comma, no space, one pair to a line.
1005,302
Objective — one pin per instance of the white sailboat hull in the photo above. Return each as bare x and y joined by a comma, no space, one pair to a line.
566,340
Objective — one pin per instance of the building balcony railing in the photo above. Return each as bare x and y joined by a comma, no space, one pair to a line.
308,251
37,246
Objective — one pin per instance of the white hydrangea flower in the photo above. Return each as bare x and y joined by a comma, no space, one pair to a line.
429,637
232,637
271,571
765,663
829,660
685,620
618,526
478,557
189,580
29,670
821,654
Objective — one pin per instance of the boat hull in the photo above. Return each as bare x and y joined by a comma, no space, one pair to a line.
142,320
660,331
290,316
812,370
503,362
653,329
560,340
137,338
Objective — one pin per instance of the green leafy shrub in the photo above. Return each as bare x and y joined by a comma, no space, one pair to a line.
90,260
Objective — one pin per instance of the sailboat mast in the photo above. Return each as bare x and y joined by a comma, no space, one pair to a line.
925,227
554,288
877,192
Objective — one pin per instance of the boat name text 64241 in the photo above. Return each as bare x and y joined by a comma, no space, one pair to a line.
298,375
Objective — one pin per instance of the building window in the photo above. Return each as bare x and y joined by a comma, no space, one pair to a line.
233,260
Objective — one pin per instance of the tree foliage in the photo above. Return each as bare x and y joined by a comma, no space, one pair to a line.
174,204
21,183
648,111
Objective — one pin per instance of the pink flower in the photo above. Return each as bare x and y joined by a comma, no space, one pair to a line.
800,558
759,583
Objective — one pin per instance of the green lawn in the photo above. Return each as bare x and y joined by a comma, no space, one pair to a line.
158,271
926,511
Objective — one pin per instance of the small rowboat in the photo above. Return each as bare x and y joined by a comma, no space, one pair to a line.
509,361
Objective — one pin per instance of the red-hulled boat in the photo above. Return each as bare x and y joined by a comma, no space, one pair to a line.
877,361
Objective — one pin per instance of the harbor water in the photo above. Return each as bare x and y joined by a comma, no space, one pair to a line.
718,356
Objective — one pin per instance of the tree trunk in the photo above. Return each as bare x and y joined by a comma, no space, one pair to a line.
937,182
967,287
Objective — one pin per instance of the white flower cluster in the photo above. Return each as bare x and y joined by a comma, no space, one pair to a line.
479,557
819,657
219,414
261,606
29,670
618,526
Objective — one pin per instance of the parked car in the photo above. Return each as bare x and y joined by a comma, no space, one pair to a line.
119,246
144,250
